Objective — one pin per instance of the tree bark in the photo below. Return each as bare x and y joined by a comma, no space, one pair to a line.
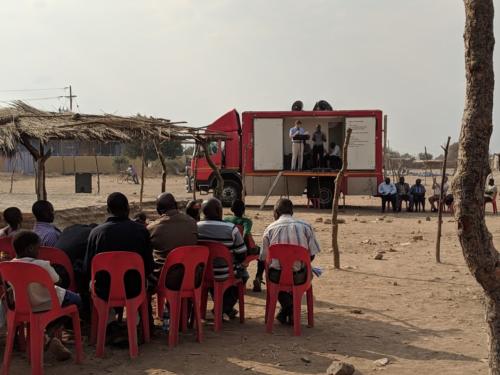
335,207
143,164
441,201
220,181
98,175
473,167
40,158
163,163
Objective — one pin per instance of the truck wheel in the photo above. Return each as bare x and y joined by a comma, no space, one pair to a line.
230,193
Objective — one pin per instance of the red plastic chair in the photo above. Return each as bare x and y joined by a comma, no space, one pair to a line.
252,257
190,257
20,275
6,246
117,263
58,257
219,251
287,255
493,203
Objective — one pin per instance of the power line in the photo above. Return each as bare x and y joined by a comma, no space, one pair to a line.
31,99
41,89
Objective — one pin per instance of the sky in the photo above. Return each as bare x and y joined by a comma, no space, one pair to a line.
193,60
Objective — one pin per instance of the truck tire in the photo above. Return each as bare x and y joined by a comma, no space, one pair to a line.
230,193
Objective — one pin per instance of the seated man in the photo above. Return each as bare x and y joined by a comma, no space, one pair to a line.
334,159
172,229
13,217
403,191
436,188
417,195
44,225
119,233
288,230
238,209
490,191
27,244
214,229
388,193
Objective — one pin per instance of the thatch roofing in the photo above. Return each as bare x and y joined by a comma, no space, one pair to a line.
20,123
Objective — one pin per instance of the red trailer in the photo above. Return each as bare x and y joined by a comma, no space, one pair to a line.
255,157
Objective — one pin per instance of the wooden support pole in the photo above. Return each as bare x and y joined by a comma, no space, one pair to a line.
163,163
441,202
143,164
335,207
98,174
193,172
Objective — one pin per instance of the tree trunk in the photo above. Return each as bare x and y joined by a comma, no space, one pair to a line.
441,201
335,207
98,175
220,181
143,164
473,166
163,163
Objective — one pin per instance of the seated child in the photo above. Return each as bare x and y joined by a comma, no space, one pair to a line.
26,244
238,209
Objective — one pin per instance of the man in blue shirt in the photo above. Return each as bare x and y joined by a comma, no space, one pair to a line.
297,145
417,195
388,193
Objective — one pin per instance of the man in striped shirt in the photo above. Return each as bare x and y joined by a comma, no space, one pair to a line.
288,230
213,228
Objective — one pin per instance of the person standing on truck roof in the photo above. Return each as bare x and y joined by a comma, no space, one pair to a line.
318,139
297,145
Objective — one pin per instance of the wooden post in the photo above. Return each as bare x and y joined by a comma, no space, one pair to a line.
335,207
426,165
193,172
220,181
12,174
441,202
143,164
163,163
98,174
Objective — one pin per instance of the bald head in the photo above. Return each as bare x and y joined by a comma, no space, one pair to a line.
212,209
165,202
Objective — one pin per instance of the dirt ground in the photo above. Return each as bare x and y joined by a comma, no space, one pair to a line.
424,317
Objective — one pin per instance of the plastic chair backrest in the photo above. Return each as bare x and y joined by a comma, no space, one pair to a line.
217,251
117,263
190,257
59,257
19,276
6,246
287,255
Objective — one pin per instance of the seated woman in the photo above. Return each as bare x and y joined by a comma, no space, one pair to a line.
238,209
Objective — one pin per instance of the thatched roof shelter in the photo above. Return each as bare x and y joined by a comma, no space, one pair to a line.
33,128
21,122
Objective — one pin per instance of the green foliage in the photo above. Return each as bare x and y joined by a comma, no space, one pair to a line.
171,149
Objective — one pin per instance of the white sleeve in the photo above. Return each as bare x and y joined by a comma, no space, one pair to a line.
46,265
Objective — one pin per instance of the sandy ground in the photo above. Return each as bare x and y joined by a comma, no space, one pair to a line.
424,317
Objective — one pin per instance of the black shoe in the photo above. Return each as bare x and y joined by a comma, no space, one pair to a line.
256,285
282,318
232,314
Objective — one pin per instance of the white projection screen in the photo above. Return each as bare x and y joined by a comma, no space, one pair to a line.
268,144
361,152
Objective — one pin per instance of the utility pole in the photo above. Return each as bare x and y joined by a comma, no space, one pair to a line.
71,96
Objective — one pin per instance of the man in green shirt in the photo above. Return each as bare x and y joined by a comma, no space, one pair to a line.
238,209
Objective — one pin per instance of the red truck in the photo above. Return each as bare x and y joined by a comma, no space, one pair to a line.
255,158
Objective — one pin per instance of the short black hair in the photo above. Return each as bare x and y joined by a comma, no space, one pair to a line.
212,209
23,241
118,204
238,207
165,202
13,217
283,206
43,211
193,209
140,217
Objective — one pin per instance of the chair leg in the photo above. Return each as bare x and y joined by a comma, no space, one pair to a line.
296,313
132,314
36,343
102,322
218,301
9,344
310,307
271,309
241,300
174,305
145,322
197,316
78,337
